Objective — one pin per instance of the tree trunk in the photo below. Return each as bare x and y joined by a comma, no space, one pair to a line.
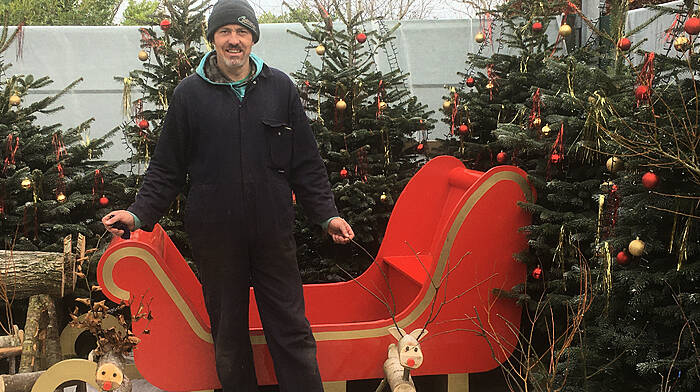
41,347
23,274
394,376
22,382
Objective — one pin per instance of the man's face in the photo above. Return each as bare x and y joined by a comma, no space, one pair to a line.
233,43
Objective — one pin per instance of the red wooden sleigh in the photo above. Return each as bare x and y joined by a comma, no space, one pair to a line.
453,232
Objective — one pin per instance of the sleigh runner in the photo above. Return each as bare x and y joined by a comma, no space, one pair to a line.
448,249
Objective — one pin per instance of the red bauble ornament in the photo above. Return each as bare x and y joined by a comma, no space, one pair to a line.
104,201
537,27
537,273
420,147
624,44
470,81
143,124
343,173
642,92
361,37
463,128
165,24
501,157
555,158
622,258
650,180
692,25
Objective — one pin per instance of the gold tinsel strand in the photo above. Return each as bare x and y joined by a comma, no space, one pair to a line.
601,205
126,96
569,79
559,251
607,280
683,247
673,228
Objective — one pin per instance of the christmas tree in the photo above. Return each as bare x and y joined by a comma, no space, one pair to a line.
168,57
370,132
52,183
595,131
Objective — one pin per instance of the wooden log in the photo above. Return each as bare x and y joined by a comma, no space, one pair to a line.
396,376
6,352
25,273
41,347
12,340
21,382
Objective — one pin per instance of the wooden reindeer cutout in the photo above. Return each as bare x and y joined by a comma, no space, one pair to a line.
402,357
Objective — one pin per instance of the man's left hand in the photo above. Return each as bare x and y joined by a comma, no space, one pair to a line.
340,231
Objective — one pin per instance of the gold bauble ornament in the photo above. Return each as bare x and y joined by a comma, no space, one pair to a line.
341,105
546,130
681,43
383,198
479,37
382,105
537,122
143,55
591,99
489,85
320,50
61,197
636,247
26,183
614,164
446,105
15,100
565,30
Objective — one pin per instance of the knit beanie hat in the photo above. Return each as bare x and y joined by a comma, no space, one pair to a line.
232,12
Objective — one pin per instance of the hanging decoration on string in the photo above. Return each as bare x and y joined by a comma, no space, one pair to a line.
98,189
339,107
455,110
12,146
645,80
59,151
683,247
491,75
126,96
486,23
536,111
556,155
381,105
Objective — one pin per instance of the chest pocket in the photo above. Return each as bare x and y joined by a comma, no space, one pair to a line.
280,140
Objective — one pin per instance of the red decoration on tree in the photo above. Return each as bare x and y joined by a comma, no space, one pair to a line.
642,93
645,79
463,128
537,27
143,124
343,173
12,146
165,24
692,25
420,147
650,180
624,44
470,81
501,157
98,186
537,273
361,37
557,154
622,258
104,201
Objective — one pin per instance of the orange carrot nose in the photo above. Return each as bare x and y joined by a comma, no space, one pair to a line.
107,386
410,362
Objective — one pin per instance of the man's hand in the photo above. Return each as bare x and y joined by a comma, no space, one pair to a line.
340,231
118,216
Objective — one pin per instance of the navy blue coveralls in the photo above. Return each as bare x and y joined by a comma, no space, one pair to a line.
243,159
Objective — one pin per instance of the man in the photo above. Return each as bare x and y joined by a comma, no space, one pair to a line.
238,130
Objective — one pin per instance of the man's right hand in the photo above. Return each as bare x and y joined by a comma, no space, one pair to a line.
118,216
